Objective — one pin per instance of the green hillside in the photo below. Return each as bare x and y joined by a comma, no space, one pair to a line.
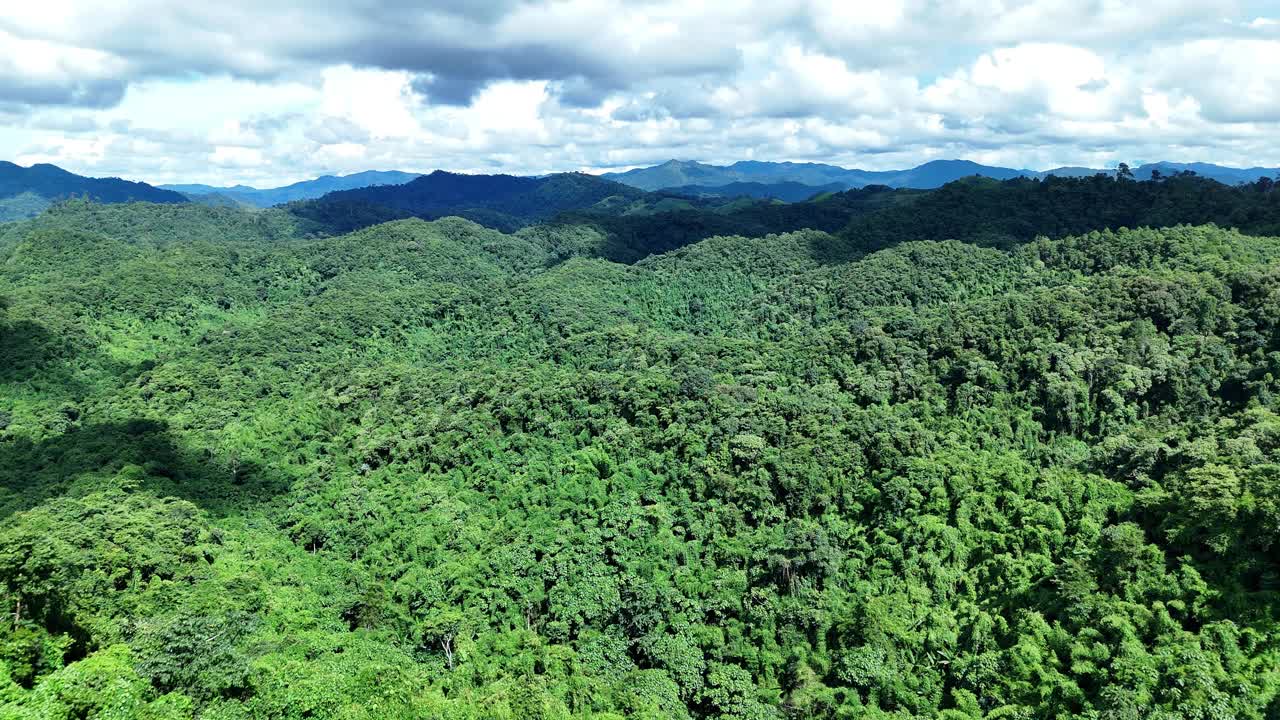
911,462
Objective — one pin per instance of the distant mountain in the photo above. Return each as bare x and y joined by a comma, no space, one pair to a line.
27,191
1073,171
933,174
503,202
305,190
1225,175
785,191
937,173
674,173
1220,173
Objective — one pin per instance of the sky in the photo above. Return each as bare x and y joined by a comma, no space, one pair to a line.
265,92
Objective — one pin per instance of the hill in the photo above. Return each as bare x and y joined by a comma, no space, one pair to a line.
305,190
432,470
976,210
785,191
1007,213
27,191
505,202
632,224
929,175
1225,175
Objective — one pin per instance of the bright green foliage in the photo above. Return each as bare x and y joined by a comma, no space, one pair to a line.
431,470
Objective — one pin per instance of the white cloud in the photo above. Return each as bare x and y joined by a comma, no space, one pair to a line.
268,93
1232,79
509,107
813,83
1060,80
40,72
378,101
231,156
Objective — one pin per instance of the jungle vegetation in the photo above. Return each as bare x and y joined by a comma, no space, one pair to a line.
1004,450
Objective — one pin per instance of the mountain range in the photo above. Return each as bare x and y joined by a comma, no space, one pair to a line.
677,174
27,191
305,190
508,201
504,202
787,191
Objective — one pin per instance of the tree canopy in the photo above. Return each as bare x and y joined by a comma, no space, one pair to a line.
996,451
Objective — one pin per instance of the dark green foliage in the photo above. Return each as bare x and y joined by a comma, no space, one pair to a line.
785,191
504,202
23,205
432,470
627,225
1015,211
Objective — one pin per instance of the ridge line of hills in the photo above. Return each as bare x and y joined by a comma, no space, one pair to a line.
625,224
304,190
508,201
677,174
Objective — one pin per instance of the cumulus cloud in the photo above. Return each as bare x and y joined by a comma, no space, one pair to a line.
40,72
1032,80
242,90
1233,80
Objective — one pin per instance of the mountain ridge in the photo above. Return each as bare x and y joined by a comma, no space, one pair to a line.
28,191
927,176
504,202
787,191
302,190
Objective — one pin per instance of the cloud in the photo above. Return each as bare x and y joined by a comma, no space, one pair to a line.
1232,80
268,93
1035,79
37,72
230,156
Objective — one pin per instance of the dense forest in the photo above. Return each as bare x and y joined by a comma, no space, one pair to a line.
632,224
1002,450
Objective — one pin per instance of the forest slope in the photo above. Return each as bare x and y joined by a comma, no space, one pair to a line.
632,224
433,470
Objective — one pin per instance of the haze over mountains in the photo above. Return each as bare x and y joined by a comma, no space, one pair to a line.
305,190
27,191
509,202
933,174
787,191
676,173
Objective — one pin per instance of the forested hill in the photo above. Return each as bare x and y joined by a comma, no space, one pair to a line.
1015,211
988,212
432,470
929,175
786,191
932,174
27,191
635,224
505,202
